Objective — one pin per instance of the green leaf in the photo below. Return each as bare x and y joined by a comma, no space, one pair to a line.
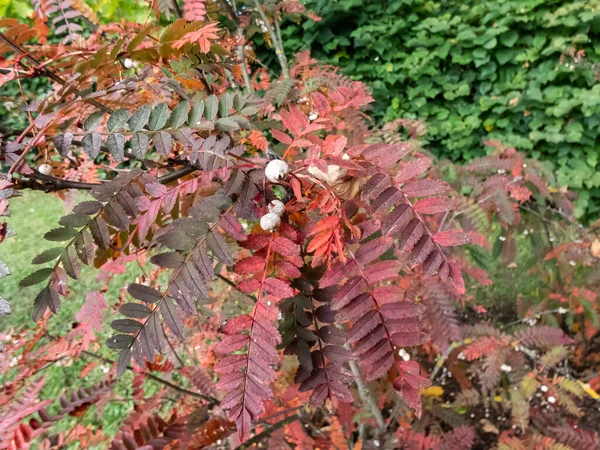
60,234
139,118
74,220
93,120
227,124
139,38
118,119
196,113
92,143
47,298
139,145
158,116
179,114
225,104
211,107
47,255
163,142
36,277
126,325
119,341
116,146
135,310
509,38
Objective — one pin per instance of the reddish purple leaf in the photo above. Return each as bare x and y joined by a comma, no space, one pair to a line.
435,205
425,188
451,238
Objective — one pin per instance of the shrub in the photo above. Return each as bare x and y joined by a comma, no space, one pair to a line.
524,73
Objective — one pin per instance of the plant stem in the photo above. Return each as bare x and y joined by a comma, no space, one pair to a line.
268,431
366,395
276,43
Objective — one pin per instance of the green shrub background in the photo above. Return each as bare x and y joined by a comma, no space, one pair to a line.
476,70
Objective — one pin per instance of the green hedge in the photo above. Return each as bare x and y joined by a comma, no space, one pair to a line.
476,70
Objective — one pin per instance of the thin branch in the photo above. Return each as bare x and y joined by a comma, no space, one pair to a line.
46,72
268,431
278,45
181,390
177,9
367,397
242,57
235,286
53,184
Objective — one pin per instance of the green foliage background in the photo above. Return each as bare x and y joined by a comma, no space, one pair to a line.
476,70
472,70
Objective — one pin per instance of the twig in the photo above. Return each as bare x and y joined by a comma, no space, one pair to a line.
440,362
278,46
366,395
52,184
268,431
233,285
177,9
46,72
181,390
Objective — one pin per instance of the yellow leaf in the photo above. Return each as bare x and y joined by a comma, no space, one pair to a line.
588,390
498,399
433,391
596,248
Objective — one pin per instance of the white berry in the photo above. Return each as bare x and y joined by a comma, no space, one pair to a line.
270,222
277,207
277,170
45,169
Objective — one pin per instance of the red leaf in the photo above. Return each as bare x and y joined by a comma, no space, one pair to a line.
373,249
451,238
281,137
321,104
385,155
297,188
346,293
380,367
457,278
324,225
250,285
435,205
364,326
285,247
425,188
389,294
232,344
252,264
237,325
278,288
382,270
413,168
410,383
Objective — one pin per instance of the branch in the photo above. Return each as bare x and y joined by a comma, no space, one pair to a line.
366,395
53,184
268,431
46,72
177,9
181,390
276,43
210,400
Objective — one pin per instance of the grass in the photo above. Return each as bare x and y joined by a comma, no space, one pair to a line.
32,216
